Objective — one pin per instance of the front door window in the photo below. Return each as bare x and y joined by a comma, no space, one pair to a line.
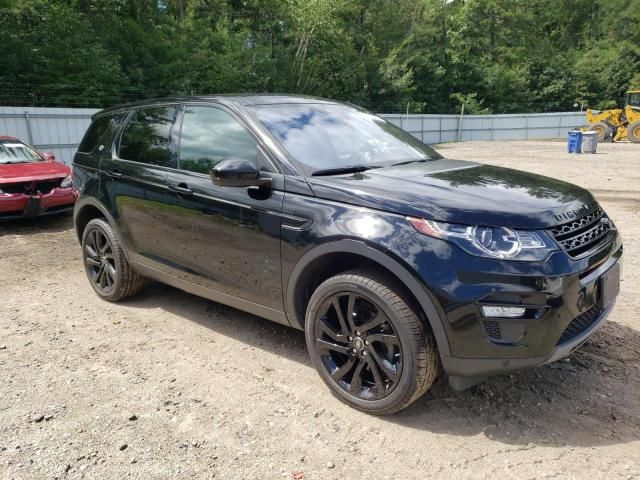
209,135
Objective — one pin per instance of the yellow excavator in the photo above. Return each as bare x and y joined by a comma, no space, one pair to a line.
618,123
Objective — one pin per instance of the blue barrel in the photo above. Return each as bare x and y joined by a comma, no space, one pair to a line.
574,142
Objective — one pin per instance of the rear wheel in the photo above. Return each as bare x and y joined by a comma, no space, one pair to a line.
368,345
604,131
633,132
106,266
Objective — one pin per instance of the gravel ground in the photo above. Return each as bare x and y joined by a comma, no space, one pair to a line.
171,385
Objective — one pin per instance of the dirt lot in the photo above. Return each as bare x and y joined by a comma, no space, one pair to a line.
171,385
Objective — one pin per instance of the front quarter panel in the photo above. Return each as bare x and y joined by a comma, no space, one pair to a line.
314,228
314,222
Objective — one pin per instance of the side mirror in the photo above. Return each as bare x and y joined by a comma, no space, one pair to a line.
237,172
49,157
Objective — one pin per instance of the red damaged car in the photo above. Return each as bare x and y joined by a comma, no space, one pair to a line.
32,183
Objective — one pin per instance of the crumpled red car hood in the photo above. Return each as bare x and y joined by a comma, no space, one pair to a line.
25,172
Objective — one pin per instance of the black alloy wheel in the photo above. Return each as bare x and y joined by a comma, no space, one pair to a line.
358,346
105,262
369,343
99,261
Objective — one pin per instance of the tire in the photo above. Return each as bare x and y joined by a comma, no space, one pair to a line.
382,360
604,130
105,264
633,132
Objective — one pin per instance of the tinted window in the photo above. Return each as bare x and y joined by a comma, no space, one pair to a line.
325,136
147,137
209,135
95,133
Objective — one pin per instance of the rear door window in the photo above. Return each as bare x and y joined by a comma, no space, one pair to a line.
147,137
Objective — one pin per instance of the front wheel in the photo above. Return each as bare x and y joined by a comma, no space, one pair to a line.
368,344
106,266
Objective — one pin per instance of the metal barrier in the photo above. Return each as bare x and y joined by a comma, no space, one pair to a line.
59,130
463,128
55,130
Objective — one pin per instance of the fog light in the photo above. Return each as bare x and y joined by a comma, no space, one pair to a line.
503,312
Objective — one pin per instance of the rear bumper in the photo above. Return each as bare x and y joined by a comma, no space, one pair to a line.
19,205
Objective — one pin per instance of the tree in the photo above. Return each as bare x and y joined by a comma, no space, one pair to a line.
387,55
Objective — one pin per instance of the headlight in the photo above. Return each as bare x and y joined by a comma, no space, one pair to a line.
66,182
492,242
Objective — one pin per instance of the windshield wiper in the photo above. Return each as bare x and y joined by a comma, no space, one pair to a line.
408,162
341,170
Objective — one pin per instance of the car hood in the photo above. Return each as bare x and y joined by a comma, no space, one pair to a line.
459,191
25,172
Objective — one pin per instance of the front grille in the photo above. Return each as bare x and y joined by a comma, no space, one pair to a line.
32,188
583,234
580,324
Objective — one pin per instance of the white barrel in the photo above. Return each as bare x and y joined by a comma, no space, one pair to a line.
589,142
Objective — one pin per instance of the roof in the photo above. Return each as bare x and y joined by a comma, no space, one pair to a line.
241,99
7,137
632,91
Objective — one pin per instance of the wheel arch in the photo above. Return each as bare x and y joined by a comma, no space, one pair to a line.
336,257
86,210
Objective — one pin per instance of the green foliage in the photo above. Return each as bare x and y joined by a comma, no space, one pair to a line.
388,55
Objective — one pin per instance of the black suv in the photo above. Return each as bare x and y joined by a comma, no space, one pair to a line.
325,217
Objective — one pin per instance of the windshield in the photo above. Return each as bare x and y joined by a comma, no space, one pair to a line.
327,136
17,152
634,99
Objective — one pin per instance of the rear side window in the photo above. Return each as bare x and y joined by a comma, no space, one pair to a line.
96,133
209,135
147,137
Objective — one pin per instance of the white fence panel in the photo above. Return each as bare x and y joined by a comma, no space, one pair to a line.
59,130
451,128
55,130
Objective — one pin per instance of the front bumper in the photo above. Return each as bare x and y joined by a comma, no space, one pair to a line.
465,372
20,205
563,299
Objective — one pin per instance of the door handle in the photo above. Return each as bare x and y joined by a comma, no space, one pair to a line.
181,189
115,173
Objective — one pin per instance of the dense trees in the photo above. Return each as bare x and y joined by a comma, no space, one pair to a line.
387,55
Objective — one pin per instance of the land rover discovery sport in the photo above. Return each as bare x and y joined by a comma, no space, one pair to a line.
319,215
